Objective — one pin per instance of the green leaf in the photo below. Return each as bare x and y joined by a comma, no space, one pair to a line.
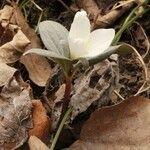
64,62
46,53
119,49
54,37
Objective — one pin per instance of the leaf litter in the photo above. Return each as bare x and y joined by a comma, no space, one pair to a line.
119,126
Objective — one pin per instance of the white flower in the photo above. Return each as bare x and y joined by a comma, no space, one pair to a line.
83,43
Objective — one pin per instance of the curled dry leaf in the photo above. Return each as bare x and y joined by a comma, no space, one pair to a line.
6,73
41,122
15,113
6,12
36,144
11,51
13,42
37,66
120,127
7,19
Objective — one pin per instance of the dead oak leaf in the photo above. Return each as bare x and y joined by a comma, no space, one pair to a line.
120,127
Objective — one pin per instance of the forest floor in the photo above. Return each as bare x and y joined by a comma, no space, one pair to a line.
109,100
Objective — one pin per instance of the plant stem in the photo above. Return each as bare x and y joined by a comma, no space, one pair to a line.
127,23
66,99
60,128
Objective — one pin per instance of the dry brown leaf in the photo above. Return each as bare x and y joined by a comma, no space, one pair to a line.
6,35
102,14
11,51
13,42
120,127
15,113
37,66
6,12
6,73
41,122
36,144
7,19
90,6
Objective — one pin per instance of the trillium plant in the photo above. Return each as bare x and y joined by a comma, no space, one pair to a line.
67,47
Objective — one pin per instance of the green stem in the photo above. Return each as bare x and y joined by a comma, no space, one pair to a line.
127,23
122,29
60,128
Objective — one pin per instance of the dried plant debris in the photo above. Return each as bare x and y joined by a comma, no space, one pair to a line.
15,113
119,127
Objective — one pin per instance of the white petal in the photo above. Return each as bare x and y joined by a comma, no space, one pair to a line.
100,40
78,48
80,28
